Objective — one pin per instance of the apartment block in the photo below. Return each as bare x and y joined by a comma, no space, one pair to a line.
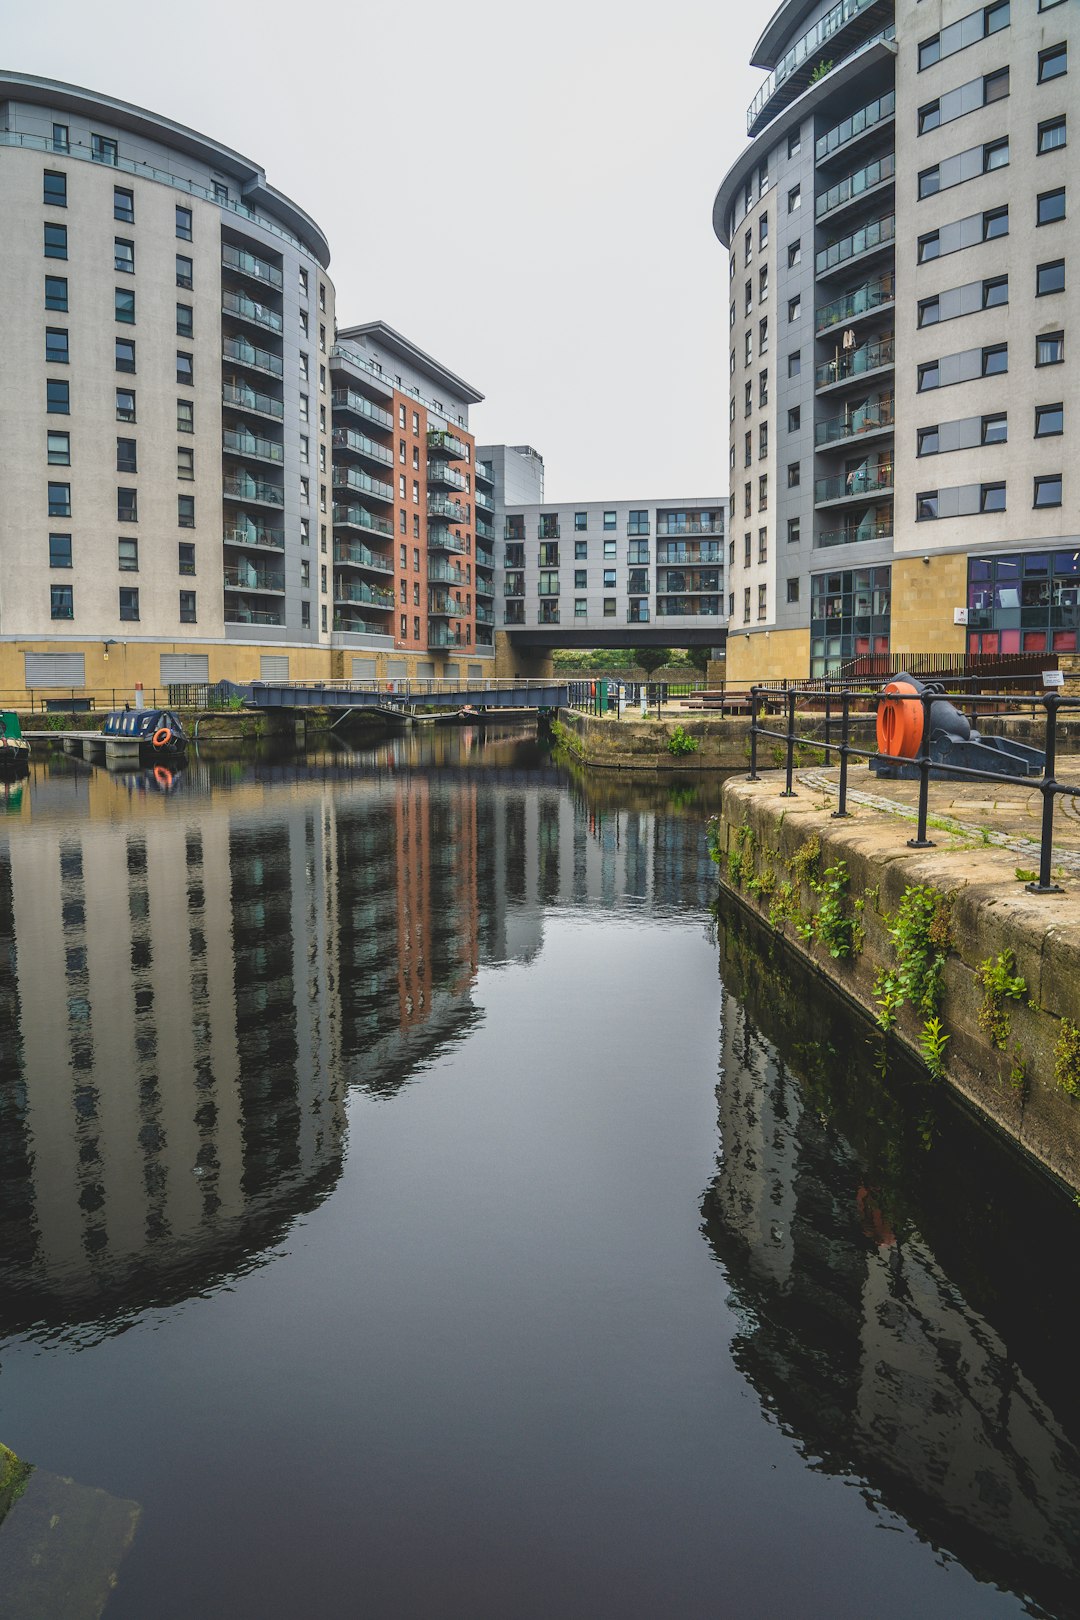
899,394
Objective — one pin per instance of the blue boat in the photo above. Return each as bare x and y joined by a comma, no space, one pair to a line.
158,731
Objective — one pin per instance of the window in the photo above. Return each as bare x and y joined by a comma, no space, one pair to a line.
794,363
1050,349
185,416
763,545
762,440
995,360
581,579
928,442
746,604
929,247
125,353
748,499
996,86
748,448
929,117
56,346
581,608
763,388
763,283
748,247
56,292
1049,421
995,223
794,531
1051,206
762,601
794,254
129,602
127,506
124,306
103,149
794,141
611,550
185,321
995,155
185,463
763,492
581,549
56,241
187,607
1048,491
58,449
609,607
794,309
185,271
128,556
59,551
60,139
929,182
748,347
763,335
794,419
55,189
124,204
926,506
995,291
609,520
992,498
1051,135
125,405
184,369
186,557
794,199
929,376
1053,62
59,500
793,475
793,590
57,397
609,579
183,223
763,230
1050,278
123,256
747,546
929,311
185,511
127,456
995,429
581,521
61,605
221,192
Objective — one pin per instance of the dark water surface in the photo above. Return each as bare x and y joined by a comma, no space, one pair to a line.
404,1207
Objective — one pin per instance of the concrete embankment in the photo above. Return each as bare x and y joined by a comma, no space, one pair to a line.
970,972
644,745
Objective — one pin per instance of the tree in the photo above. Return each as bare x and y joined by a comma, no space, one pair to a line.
652,658
699,657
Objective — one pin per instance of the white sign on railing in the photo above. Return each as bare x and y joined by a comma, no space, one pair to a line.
1053,677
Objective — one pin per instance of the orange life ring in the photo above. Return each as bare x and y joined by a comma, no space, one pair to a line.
162,737
162,777
899,720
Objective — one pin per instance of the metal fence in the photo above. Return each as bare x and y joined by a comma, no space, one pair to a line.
619,697
853,713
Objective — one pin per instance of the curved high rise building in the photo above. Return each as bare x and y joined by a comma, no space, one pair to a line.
901,397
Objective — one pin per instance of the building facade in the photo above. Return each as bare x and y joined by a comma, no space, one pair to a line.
896,227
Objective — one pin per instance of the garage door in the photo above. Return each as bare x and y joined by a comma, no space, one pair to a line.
54,669
425,671
476,672
184,668
396,669
273,666
363,669
453,672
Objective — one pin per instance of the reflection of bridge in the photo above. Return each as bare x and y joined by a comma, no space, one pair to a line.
403,696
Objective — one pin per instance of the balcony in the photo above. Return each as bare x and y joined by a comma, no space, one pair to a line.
872,357
547,613
237,613
445,606
862,483
701,582
243,353
514,613
441,506
514,532
250,444
869,239
856,533
545,530
689,607
550,589
872,416
666,527
361,557
514,556
345,399
246,309
855,185
484,615
875,115
676,552
358,444
443,573
852,306
441,474
441,443
249,264
358,517
638,613
637,559
247,488
242,398
440,635
254,536
483,499
484,557
443,540
798,67
484,587
242,577
484,474
484,531
362,595
350,478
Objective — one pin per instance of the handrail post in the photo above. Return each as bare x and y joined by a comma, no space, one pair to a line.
1048,785
753,777
789,791
828,719
845,737
920,841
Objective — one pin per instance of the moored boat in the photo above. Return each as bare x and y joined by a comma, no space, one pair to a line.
14,748
158,731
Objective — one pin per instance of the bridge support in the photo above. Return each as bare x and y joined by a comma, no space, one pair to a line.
526,663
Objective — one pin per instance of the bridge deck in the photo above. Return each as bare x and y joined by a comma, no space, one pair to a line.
405,696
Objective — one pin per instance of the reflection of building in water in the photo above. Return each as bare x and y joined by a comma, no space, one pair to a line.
865,1349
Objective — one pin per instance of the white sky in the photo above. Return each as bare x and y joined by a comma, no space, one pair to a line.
525,191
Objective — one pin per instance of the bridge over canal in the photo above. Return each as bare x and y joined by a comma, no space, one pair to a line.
401,696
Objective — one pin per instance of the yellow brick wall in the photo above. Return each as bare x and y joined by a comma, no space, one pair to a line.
924,595
776,656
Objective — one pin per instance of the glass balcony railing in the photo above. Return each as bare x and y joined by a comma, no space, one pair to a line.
362,557
345,399
853,362
849,129
860,301
484,474
440,635
878,233
243,578
361,445
668,527
853,185
358,517
869,417
254,534
484,615
445,606
547,613
246,309
442,506
484,557
680,552
860,482
484,531
638,614
856,533
250,444
245,615
441,472
364,595
249,399
442,540
806,53
249,264
483,499
484,587
253,489
445,444
444,573
362,483
243,353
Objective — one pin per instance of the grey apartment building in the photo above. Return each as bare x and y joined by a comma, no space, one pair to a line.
901,390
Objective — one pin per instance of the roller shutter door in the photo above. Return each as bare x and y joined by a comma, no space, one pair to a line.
273,666
54,669
425,672
363,669
476,672
185,669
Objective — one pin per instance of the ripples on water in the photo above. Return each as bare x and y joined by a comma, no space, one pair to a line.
358,1141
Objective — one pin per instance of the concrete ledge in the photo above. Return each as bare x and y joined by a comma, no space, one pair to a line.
642,745
990,912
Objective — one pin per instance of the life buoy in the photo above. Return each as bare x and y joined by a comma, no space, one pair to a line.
162,737
162,777
899,720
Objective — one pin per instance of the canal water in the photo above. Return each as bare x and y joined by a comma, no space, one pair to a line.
416,1200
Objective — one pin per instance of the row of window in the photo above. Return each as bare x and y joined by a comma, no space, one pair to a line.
977,295
55,243
58,353
55,195
992,360
127,505
994,429
60,553
62,603
1050,136
58,451
966,499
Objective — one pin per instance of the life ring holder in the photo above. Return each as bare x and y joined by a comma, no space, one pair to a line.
162,737
899,720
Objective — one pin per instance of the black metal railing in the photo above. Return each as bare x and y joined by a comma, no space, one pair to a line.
602,695
852,693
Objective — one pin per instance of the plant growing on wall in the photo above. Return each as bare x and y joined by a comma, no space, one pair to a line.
681,742
820,71
1000,985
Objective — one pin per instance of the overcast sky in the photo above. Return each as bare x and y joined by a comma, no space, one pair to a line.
525,191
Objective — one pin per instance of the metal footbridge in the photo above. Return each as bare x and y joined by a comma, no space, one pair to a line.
400,697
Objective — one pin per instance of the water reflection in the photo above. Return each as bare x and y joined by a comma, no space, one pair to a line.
196,979
897,1297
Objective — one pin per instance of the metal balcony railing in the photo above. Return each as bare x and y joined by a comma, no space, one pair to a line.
854,184
853,362
361,445
867,482
249,399
246,309
362,557
860,301
869,417
875,112
877,233
344,399
249,264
